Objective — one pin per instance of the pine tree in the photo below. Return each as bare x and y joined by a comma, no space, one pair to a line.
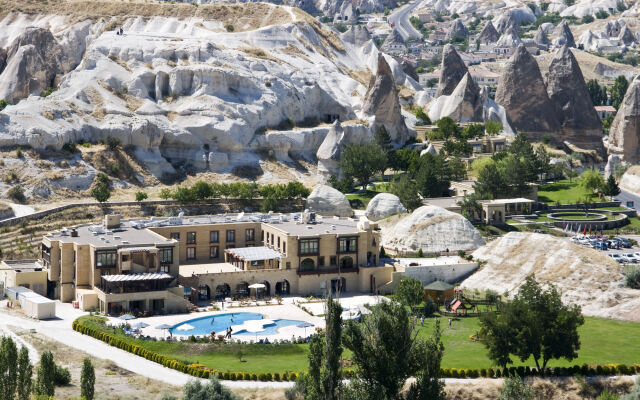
611,187
383,139
87,380
8,372
25,371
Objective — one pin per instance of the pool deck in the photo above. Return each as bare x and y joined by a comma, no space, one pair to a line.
287,310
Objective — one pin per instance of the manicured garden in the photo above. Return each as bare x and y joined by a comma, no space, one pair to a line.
565,192
603,341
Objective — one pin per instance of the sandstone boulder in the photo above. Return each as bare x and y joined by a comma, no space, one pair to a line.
431,229
489,34
521,91
381,101
569,95
457,30
328,201
384,205
624,135
452,70
630,180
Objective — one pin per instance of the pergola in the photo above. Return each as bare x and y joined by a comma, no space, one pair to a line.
247,258
133,283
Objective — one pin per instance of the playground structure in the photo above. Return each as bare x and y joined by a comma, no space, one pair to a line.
462,306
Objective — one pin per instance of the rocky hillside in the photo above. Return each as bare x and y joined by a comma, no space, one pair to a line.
584,276
207,88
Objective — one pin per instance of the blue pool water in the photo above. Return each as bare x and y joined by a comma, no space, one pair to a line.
219,323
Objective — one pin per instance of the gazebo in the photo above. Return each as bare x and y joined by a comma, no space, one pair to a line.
438,291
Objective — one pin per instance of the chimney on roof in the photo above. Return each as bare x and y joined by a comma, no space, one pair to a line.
112,221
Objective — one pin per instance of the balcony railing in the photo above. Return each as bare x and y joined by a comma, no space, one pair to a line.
321,271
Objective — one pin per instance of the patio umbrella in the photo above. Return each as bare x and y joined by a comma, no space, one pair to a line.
305,325
185,327
257,286
126,317
140,325
164,327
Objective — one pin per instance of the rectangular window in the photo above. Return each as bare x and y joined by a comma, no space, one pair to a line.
191,238
262,235
231,235
321,261
250,235
106,259
348,245
332,260
164,268
288,265
308,247
278,241
213,252
191,253
175,235
166,255
213,237
284,247
125,257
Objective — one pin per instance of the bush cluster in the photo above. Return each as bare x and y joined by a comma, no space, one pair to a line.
196,370
581,370
240,190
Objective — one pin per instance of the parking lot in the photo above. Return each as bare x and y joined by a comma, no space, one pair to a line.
623,249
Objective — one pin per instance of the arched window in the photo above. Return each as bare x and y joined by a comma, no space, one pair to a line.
307,264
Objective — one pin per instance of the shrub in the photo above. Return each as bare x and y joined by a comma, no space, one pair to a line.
16,194
3,104
19,153
47,92
229,28
112,142
70,147
115,169
140,196
62,376
262,376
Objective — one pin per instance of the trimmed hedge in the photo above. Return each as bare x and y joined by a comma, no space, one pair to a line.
203,372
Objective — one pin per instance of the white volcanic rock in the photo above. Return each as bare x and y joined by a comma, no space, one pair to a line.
512,18
565,37
509,39
457,29
328,201
452,69
630,180
624,135
588,7
384,205
431,229
429,150
489,34
463,105
337,138
583,276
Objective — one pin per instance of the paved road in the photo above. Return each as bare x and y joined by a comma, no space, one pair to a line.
401,19
625,196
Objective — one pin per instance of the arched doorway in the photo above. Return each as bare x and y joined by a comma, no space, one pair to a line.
346,262
283,288
204,292
307,264
223,290
338,285
242,289
267,289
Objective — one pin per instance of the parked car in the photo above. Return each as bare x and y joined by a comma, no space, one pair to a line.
623,242
539,231
616,257
630,258
601,245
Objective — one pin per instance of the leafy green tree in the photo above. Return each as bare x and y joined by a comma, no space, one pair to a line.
403,159
270,204
16,194
362,162
323,381
422,116
409,292
23,378
345,185
489,182
8,371
386,351
492,127
457,168
296,190
618,90
470,206
141,196
184,195
202,190
45,383
166,194
62,376
100,190
212,390
592,180
611,187
431,176
606,123
535,324
597,93
87,380
448,128
407,191
515,389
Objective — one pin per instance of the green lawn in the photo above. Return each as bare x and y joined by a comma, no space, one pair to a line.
603,341
564,192
632,228
365,197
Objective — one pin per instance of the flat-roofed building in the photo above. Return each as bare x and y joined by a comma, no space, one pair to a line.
25,273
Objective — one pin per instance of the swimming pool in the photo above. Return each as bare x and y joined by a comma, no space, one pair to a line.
220,322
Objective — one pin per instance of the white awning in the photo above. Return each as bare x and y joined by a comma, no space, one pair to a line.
254,253
136,277
137,249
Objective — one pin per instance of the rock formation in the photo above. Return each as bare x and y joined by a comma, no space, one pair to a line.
569,95
541,39
489,34
463,105
624,135
457,30
521,91
452,70
565,37
408,67
328,201
381,101
509,39
393,43
431,229
356,35
429,150
384,205
626,36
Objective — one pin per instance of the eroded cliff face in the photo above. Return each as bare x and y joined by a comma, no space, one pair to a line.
185,91
624,135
